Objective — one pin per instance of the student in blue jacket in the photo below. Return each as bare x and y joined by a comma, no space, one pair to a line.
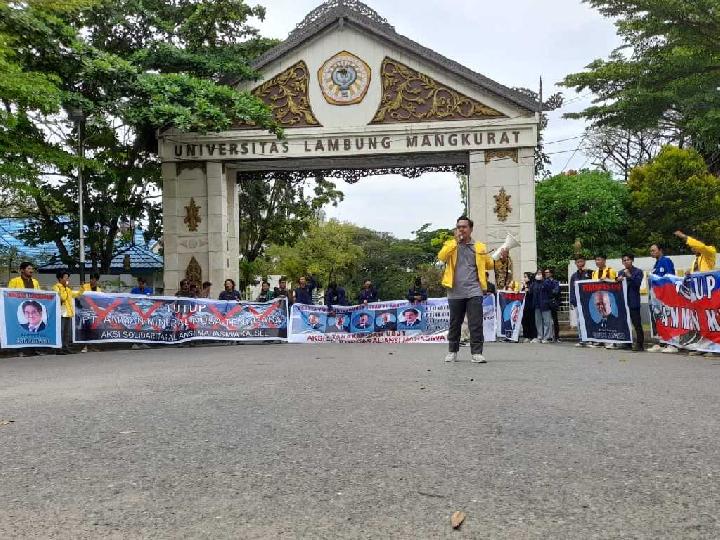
633,277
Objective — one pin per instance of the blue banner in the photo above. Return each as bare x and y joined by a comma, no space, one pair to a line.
510,307
29,318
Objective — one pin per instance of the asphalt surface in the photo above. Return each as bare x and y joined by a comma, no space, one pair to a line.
359,441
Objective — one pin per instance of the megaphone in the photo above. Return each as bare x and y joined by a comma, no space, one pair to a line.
510,242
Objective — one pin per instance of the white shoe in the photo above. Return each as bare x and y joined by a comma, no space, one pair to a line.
655,348
580,344
669,350
478,359
536,340
594,345
451,357
609,346
545,341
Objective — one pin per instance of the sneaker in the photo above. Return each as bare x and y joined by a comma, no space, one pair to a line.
669,350
594,345
451,357
84,349
609,346
580,344
544,341
558,340
478,359
655,348
536,340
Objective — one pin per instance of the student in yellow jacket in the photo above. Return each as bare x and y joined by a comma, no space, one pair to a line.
704,255
25,280
603,271
466,263
92,286
67,308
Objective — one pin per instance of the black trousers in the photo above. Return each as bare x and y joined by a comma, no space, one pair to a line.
66,330
473,307
556,324
636,320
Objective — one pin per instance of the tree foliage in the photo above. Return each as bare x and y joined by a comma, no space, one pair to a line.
588,206
134,66
665,75
619,150
674,191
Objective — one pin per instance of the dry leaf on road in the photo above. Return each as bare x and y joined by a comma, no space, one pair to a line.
6,422
457,519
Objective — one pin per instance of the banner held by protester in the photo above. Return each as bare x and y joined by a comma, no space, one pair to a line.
110,318
603,315
380,322
510,308
29,318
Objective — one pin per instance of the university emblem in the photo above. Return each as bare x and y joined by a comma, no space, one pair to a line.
344,79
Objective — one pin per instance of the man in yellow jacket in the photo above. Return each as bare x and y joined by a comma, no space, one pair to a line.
92,286
67,308
466,263
25,280
704,255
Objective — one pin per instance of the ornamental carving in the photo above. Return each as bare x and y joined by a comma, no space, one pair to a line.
192,215
410,96
193,272
344,79
502,205
501,154
287,96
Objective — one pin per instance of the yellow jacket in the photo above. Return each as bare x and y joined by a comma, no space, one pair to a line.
608,273
67,299
448,255
86,288
705,261
17,283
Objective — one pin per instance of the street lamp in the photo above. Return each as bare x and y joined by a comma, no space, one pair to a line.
77,116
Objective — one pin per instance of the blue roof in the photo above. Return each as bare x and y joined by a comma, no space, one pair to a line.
136,257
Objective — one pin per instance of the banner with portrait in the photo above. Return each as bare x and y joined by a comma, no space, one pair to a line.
29,318
380,322
686,311
122,318
510,308
603,315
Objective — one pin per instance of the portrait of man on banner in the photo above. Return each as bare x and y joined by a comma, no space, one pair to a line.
411,318
603,315
30,319
363,322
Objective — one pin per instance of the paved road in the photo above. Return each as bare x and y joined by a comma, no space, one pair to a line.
343,441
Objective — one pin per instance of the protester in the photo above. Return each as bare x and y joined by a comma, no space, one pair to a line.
303,294
417,293
229,293
466,263
663,266
313,284
335,296
704,255
529,328
25,280
633,277
205,291
504,272
580,274
142,287
186,290
603,271
265,293
92,286
282,290
368,294
67,309
555,302
544,288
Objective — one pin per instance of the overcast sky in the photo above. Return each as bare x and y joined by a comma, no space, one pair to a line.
513,42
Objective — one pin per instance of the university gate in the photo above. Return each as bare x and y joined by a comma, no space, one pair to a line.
351,93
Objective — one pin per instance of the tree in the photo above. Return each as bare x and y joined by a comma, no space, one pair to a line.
327,251
588,206
134,67
276,208
618,151
542,160
674,191
665,75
